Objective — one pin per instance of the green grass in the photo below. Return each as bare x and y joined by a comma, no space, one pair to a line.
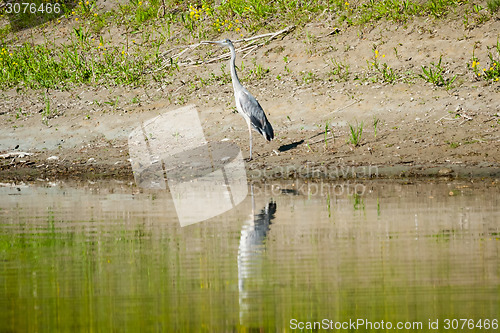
328,205
256,73
47,112
383,70
355,134
87,59
491,71
358,202
453,145
375,125
308,77
340,71
49,66
29,14
493,5
435,74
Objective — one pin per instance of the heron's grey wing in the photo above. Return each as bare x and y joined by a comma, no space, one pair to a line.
252,109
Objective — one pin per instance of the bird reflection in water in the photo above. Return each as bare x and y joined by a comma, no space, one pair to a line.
251,257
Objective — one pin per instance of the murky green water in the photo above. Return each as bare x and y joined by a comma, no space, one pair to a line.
109,257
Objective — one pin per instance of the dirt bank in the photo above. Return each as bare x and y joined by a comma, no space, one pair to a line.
422,129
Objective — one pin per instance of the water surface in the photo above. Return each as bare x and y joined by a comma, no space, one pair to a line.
111,257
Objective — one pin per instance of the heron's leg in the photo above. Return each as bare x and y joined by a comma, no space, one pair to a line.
250,132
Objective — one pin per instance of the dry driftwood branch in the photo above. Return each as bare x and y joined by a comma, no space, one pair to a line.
250,47
11,154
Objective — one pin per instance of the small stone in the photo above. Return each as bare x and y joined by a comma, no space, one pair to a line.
445,171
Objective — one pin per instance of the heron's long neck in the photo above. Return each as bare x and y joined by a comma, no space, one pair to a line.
234,76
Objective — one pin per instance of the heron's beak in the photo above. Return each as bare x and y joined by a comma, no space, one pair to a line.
210,42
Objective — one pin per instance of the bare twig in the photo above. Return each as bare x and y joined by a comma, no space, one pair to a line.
249,47
252,49
461,115
272,35
348,105
323,140
444,117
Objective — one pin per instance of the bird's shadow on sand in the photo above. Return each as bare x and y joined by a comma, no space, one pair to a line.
290,146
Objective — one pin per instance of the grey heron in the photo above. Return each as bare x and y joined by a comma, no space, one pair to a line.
246,104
